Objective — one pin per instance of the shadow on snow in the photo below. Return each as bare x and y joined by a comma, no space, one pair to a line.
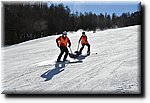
59,67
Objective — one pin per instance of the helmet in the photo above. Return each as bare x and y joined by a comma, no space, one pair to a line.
64,33
83,32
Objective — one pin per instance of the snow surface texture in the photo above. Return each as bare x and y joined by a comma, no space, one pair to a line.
112,68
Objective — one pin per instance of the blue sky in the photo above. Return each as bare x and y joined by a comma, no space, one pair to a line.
102,7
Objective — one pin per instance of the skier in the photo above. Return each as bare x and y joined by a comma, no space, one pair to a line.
84,42
62,42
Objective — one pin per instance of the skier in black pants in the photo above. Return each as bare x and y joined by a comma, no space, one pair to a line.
62,44
84,42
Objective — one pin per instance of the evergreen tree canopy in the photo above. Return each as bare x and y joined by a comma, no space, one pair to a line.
26,21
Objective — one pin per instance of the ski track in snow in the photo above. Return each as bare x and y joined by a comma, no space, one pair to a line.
114,69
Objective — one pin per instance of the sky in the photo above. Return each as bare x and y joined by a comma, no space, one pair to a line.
102,7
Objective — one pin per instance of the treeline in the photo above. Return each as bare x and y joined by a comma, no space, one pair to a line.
26,21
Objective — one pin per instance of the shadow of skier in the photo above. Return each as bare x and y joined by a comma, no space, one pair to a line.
59,67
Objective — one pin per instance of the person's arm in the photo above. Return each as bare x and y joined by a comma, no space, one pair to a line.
69,43
80,39
57,40
86,38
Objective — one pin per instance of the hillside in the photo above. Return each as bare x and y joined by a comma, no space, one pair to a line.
112,67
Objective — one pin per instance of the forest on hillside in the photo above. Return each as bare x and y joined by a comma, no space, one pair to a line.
27,21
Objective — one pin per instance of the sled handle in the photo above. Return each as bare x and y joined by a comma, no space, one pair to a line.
70,50
78,45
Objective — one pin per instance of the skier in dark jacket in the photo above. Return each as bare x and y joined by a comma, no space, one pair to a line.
84,42
62,42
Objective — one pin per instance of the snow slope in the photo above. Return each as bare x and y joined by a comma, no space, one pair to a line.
28,67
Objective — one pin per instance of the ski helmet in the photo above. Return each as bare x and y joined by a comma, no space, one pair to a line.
64,33
83,33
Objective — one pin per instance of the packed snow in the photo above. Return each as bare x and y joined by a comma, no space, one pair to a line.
112,68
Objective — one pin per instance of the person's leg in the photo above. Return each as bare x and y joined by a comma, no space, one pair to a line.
66,54
61,53
88,45
81,49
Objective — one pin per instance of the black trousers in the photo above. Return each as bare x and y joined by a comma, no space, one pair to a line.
62,51
88,45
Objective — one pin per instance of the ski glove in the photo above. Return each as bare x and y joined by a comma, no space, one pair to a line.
69,45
